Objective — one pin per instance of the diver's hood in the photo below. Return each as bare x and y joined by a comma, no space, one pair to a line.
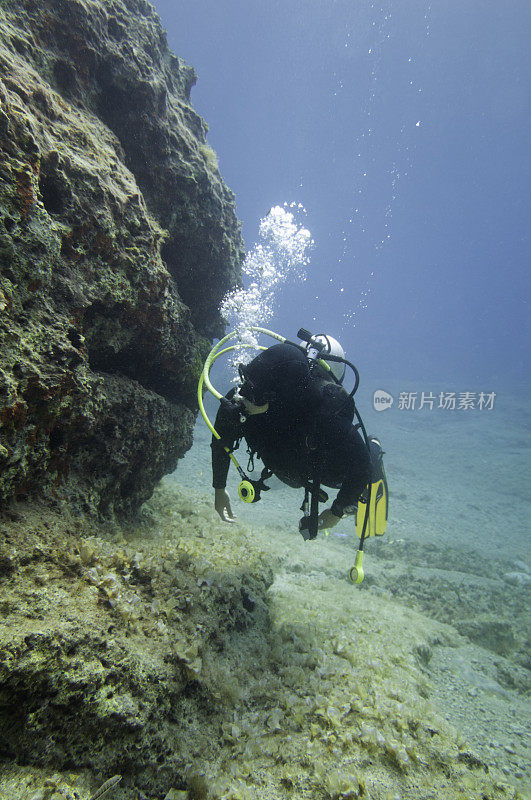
267,378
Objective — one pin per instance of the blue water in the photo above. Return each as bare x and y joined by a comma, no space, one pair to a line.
397,133
403,129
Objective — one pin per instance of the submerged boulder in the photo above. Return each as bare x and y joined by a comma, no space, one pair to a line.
118,239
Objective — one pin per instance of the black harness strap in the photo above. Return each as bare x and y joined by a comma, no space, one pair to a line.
309,524
250,461
313,522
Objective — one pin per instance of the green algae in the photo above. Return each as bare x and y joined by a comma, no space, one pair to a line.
102,330
172,640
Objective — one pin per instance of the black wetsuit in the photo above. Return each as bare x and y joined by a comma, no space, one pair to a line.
305,435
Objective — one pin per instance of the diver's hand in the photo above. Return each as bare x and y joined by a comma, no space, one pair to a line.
326,519
222,505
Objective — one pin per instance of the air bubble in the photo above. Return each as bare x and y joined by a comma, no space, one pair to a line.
281,254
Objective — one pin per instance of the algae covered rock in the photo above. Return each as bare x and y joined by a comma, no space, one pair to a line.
113,223
112,646
133,650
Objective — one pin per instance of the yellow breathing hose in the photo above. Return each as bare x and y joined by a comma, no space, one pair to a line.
216,350
210,360
215,353
245,490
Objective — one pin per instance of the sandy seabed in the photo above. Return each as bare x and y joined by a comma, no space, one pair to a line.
456,552
236,661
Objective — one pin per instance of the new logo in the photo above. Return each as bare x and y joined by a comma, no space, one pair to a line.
382,400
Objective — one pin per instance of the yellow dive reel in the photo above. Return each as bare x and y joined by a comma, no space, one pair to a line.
373,506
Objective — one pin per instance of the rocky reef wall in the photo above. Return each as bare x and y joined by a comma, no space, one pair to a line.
118,239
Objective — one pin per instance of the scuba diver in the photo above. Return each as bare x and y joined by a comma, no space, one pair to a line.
292,410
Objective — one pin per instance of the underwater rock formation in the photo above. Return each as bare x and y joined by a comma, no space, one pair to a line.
120,654
113,220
